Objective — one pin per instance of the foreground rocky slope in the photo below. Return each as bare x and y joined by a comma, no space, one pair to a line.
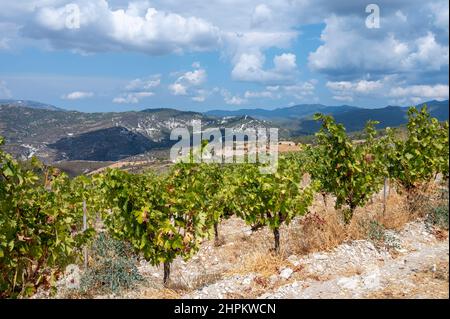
413,263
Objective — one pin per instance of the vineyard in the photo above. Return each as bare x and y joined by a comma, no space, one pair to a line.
166,216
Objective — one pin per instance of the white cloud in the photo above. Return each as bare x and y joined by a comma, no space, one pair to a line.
178,89
196,77
299,91
250,68
4,91
77,95
232,99
199,98
235,100
412,41
401,16
186,81
420,93
139,27
347,90
343,98
440,12
261,16
428,55
259,94
352,51
143,84
132,98
399,93
138,89
201,95
8,35
361,86
285,62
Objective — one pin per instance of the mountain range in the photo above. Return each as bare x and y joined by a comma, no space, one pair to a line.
69,135
54,134
298,118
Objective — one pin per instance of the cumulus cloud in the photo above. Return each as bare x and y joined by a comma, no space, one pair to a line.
201,95
343,98
412,42
143,84
440,11
346,91
299,91
9,35
250,68
351,51
186,81
361,86
77,95
138,89
420,93
178,89
259,94
231,99
261,15
132,98
139,27
4,91
428,55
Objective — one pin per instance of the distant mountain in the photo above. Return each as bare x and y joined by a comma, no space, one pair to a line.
108,144
55,135
389,116
31,104
286,113
298,119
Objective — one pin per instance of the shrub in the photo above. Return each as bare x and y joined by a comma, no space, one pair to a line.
39,227
113,266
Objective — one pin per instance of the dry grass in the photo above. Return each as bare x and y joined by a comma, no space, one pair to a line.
164,293
318,231
263,263
323,229
426,283
205,280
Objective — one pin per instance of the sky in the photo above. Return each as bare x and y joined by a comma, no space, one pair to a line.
120,55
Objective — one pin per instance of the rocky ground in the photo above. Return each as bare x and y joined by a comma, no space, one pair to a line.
410,263
416,268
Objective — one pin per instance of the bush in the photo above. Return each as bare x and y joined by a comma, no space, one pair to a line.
113,266
377,234
438,216
40,229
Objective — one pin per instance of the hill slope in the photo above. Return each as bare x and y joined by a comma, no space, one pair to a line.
55,135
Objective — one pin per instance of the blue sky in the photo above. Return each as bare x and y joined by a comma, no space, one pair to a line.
129,55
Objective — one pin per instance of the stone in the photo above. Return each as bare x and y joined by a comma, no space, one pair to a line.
372,281
247,281
293,259
319,256
286,273
273,279
348,283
